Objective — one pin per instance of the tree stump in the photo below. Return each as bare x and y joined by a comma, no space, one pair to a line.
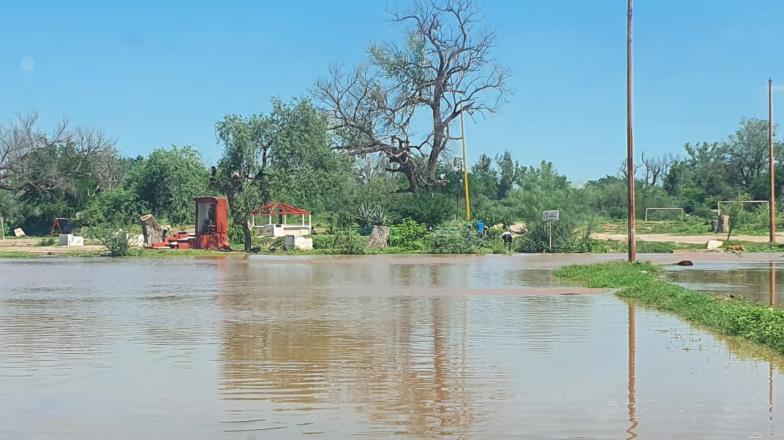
379,237
153,232
723,224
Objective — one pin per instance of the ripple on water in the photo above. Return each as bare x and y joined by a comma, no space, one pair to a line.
431,347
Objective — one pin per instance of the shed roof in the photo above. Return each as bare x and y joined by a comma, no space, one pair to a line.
277,208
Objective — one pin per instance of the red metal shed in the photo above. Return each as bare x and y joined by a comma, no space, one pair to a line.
212,223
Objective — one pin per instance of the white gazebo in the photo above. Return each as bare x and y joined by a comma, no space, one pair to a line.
271,220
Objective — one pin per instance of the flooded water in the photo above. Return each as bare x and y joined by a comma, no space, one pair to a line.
757,280
359,347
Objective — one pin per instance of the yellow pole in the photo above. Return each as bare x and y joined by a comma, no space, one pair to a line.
772,162
465,168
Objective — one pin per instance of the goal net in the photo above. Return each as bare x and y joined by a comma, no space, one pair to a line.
747,204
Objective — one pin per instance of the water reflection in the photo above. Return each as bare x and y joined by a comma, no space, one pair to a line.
632,376
754,280
398,360
772,287
374,347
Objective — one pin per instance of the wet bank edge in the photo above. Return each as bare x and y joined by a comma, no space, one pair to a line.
643,283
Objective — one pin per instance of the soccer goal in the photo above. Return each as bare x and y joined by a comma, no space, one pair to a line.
672,212
742,202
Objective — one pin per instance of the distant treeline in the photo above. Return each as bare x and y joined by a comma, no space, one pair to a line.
79,172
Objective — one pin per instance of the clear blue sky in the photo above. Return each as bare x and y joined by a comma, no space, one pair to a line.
154,73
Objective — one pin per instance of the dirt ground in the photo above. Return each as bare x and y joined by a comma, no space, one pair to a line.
691,239
29,245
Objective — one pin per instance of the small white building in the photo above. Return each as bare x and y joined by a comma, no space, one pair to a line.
272,220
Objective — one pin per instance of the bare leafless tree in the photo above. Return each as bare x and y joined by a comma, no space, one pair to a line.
622,169
655,168
30,158
404,102
19,139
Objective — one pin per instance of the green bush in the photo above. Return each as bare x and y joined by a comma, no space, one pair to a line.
323,241
113,207
235,234
456,237
46,241
408,235
344,241
349,242
116,240
423,207
337,221
536,238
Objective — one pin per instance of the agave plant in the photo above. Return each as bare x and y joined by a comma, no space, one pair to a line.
371,215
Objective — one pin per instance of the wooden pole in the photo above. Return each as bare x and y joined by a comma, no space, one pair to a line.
772,291
632,214
465,169
772,160
632,375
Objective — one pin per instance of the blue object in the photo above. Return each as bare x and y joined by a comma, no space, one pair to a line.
480,227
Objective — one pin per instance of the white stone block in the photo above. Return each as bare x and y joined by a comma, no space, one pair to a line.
714,245
70,240
136,240
296,242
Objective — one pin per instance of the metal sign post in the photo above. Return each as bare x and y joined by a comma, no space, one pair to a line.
550,216
550,234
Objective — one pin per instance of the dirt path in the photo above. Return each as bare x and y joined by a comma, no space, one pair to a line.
691,239
29,246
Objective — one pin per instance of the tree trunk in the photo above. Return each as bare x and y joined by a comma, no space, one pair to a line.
379,237
153,232
723,224
247,235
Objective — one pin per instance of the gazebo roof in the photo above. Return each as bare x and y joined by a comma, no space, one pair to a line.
277,208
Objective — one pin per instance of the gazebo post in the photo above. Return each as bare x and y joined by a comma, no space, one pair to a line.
303,219
310,218
285,221
269,222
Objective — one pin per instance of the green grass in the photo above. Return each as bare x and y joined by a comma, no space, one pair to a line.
15,254
642,282
687,226
27,254
754,247
644,247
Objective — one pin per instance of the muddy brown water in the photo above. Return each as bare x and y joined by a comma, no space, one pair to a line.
360,347
762,281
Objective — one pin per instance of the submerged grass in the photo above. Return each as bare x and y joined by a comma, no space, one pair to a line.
642,282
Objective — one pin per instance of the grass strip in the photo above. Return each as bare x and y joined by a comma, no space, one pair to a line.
643,283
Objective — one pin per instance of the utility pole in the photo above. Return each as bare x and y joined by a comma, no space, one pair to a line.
632,214
465,168
772,161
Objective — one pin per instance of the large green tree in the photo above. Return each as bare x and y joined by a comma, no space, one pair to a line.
284,154
304,170
168,180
